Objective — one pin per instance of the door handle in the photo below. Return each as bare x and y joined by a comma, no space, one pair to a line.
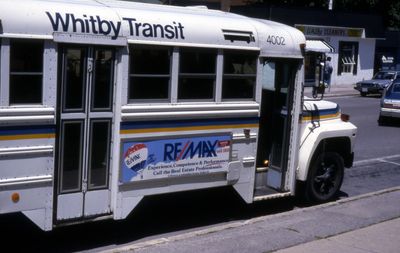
90,65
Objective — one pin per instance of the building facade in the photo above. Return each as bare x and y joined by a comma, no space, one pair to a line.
352,55
388,52
352,36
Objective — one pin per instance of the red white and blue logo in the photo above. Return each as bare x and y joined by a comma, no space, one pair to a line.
136,156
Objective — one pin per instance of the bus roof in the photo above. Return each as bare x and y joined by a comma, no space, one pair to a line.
110,22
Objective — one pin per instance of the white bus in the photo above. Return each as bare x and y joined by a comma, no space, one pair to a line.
105,102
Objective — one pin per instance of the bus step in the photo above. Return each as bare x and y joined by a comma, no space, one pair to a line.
264,193
264,190
262,169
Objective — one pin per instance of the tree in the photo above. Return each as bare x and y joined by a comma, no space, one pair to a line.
388,9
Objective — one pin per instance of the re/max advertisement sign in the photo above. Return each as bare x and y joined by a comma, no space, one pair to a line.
155,159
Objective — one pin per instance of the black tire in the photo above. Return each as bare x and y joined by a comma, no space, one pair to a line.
363,94
325,177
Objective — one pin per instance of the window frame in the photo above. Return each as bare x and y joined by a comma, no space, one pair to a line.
240,75
91,170
64,76
110,84
150,75
195,75
175,74
348,64
61,189
26,73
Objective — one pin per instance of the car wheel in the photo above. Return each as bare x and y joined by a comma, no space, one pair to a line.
325,177
363,94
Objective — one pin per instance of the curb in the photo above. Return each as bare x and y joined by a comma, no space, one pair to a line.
333,94
153,242
329,95
341,95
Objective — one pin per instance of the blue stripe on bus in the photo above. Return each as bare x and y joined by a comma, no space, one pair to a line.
322,112
187,123
27,130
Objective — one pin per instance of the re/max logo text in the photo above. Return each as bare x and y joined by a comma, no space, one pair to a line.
96,25
180,151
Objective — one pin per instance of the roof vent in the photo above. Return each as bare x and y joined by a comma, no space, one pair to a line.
234,35
203,7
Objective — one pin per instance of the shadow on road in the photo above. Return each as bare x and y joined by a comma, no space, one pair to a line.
154,216
390,122
371,96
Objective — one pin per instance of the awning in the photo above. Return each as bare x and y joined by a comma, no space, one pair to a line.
318,46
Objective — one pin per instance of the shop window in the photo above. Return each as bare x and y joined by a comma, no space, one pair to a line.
26,71
149,75
239,77
197,73
348,57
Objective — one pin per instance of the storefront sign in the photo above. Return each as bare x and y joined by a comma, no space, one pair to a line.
388,59
174,157
309,30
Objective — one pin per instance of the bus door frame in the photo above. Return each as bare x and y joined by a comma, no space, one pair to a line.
80,124
273,148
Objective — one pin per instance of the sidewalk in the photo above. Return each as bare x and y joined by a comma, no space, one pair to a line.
335,91
382,237
365,223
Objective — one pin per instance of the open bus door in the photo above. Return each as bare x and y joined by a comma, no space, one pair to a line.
274,136
84,127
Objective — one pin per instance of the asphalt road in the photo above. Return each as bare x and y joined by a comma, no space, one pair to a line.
373,141
377,167
377,149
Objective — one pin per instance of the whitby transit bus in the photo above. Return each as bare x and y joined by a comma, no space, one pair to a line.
103,103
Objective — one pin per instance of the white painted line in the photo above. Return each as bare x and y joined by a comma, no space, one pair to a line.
378,159
382,160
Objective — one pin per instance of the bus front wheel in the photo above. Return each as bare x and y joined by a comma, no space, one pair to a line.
325,177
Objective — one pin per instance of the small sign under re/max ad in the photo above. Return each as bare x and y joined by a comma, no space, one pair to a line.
155,159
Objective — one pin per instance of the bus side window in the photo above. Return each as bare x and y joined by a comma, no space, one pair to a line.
239,78
149,72
197,73
26,71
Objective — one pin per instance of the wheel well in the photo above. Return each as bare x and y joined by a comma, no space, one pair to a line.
340,145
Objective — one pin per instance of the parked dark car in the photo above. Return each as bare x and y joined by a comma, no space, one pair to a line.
390,103
378,83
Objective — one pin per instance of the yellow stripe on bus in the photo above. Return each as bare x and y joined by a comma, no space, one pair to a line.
193,128
26,136
328,116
